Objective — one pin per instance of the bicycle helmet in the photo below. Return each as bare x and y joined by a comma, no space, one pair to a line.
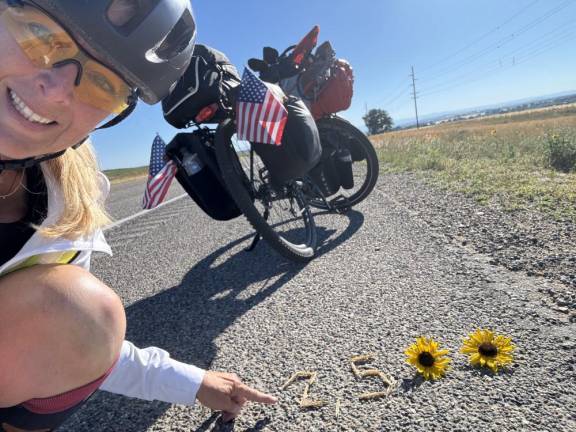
150,47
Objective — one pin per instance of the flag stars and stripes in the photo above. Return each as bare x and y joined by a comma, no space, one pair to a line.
160,175
261,115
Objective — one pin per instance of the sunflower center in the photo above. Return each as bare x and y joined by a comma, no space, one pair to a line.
488,350
426,359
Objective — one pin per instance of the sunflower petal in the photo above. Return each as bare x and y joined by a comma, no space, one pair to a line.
475,359
469,350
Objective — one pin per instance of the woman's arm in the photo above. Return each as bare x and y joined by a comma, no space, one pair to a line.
151,374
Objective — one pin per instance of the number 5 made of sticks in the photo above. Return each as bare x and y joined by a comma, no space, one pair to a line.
388,381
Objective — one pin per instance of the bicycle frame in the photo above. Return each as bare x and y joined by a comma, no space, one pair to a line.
251,185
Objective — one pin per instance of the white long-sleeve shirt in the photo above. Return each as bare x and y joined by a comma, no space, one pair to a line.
151,374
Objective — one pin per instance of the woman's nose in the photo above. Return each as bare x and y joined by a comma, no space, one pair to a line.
57,84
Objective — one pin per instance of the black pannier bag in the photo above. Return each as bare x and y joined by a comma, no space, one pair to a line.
200,176
300,150
334,170
358,154
205,89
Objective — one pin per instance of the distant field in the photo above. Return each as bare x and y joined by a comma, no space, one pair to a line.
525,159
124,174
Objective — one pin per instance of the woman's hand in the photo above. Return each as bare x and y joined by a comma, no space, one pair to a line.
225,392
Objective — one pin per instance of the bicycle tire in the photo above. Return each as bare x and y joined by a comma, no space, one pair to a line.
239,186
362,144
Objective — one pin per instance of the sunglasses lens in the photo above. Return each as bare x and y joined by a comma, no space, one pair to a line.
102,88
45,43
42,40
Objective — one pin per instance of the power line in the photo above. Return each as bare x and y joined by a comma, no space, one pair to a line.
546,38
500,43
537,47
517,61
542,50
402,85
403,91
484,36
543,42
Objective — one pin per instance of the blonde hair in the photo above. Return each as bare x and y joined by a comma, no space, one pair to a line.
77,177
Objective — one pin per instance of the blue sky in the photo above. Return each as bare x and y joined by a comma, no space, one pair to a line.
465,54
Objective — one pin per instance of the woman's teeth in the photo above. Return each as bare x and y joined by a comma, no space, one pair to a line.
26,112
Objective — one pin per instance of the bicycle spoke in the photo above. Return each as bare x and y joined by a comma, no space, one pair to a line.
284,214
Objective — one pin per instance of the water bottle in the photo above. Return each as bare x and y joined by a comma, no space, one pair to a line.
191,162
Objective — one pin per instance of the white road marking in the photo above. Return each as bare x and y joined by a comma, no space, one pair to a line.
143,212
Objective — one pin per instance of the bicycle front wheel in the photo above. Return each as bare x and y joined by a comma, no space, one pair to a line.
280,215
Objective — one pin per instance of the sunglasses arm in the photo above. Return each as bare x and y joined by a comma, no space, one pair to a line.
131,107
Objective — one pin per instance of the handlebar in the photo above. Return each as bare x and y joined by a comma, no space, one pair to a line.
292,61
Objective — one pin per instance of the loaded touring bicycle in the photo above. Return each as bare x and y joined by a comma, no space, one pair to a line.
322,161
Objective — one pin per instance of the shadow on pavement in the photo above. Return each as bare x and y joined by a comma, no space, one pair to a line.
186,319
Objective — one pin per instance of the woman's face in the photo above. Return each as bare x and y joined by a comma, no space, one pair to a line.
30,97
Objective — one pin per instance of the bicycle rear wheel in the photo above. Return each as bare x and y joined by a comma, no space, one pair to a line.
337,132
280,215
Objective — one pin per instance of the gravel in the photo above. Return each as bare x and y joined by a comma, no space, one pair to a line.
522,240
397,267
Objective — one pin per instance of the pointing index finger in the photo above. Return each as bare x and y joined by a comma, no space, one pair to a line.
242,390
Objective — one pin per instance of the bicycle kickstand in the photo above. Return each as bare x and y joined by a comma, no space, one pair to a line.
254,243
257,236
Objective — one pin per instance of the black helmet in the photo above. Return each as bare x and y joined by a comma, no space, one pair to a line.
150,49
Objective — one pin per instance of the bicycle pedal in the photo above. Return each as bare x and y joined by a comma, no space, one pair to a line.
341,204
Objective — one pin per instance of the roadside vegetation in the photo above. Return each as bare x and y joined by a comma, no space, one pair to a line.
517,160
124,174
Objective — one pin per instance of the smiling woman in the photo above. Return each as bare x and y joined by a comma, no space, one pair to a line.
66,66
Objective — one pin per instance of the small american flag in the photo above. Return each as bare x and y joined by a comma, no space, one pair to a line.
261,114
160,176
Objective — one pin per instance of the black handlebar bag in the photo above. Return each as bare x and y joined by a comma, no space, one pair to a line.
300,150
200,176
205,93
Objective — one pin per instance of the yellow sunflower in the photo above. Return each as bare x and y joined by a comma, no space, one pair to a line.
427,358
487,349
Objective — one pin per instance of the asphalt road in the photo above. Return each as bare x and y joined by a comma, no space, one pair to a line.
383,277
126,197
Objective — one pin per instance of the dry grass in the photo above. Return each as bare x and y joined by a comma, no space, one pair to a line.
505,158
125,174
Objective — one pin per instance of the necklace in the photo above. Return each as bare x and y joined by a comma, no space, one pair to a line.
13,187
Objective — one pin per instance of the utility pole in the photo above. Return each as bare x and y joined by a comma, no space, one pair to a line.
365,108
415,97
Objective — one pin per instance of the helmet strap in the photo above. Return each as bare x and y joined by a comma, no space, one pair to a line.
18,164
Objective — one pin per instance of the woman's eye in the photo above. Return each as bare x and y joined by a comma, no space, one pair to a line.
101,82
41,33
